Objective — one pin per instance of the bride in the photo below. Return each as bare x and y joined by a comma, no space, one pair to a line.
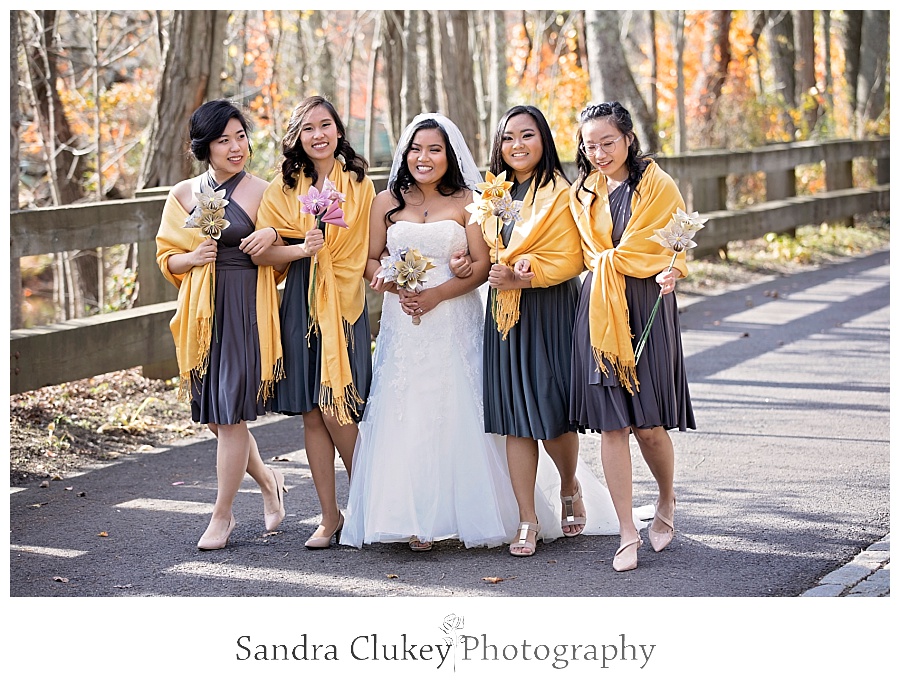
424,469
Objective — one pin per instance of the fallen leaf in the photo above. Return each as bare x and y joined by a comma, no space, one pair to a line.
38,505
280,458
45,483
82,494
123,586
103,534
551,561
745,334
180,482
69,489
272,532
60,579
56,477
392,575
493,579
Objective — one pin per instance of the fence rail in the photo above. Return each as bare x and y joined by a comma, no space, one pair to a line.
97,344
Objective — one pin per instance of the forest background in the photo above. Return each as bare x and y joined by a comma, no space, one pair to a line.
100,99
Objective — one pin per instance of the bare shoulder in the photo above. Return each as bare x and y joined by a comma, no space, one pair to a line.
183,192
383,202
256,184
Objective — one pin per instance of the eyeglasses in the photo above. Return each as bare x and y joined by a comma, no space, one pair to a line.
608,147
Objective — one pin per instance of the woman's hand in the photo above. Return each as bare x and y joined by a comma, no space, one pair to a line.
257,242
522,268
666,280
418,303
461,264
314,241
502,277
205,253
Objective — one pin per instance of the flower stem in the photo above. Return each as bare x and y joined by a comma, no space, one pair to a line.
646,333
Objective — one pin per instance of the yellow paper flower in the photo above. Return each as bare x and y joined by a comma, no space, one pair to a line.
212,200
213,223
411,269
494,187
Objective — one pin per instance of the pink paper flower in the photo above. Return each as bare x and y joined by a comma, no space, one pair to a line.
334,215
314,202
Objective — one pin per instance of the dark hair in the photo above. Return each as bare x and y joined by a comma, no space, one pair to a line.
549,162
616,114
296,161
451,183
209,121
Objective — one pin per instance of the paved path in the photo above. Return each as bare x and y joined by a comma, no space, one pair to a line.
784,492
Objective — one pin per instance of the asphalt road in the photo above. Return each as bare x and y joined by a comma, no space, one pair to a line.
786,478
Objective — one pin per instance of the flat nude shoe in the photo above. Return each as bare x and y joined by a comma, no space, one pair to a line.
660,540
568,512
206,543
626,559
525,548
274,518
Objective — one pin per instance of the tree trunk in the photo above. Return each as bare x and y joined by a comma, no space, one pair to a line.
66,169
804,39
610,75
323,80
374,52
852,36
497,65
780,35
681,141
458,76
873,62
15,276
183,86
829,79
438,39
428,73
716,59
654,67
392,69
410,102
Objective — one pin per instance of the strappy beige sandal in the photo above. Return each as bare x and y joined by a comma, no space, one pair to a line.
417,545
526,548
568,512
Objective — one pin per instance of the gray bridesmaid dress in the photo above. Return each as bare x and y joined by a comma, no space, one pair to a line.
598,401
227,393
527,376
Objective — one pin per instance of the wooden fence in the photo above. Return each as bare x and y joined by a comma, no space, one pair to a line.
140,336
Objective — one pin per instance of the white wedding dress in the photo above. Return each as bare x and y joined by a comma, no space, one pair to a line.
423,466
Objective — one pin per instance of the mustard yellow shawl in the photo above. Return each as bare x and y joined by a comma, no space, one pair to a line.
652,205
547,236
338,290
192,324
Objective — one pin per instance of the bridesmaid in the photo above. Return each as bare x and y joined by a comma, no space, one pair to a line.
226,327
528,331
622,196
327,354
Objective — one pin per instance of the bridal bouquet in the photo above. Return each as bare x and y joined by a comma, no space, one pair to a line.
492,199
407,268
325,206
678,236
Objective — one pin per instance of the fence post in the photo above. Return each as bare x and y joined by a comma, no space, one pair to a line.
153,288
782,184
707,195
838,175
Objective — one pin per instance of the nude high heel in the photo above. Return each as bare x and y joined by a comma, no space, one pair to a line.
660,540
324,541
274,518
208,543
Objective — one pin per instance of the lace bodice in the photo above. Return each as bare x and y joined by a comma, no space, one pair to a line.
436,240
448,338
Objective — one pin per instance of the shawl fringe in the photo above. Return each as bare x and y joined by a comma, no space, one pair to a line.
506,310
